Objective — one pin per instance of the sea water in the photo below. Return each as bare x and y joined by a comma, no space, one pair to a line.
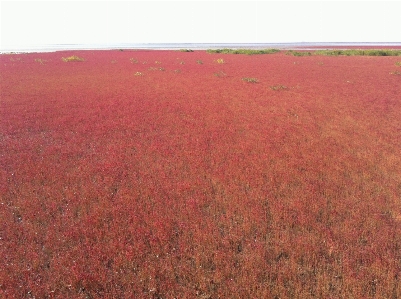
196,46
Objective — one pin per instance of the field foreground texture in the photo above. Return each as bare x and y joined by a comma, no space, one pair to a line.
167,174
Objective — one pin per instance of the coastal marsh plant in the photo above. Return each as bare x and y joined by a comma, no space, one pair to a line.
138,74
398,63
186,50
395,73
162,189
73,58
220,61
133,60
199,62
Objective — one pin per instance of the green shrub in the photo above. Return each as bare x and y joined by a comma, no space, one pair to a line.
298,53
186,50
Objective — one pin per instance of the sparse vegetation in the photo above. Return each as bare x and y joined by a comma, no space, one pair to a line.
250,80
138,74
199,62
350,52
186,50
398,63
220,61
359,52
41,61
133,60
395,73
156,69
220,74
243,51
278,87
298,53
72,59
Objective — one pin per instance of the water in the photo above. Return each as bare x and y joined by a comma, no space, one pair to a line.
196,46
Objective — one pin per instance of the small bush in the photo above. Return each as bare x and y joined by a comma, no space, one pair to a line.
395,73
398,63
199,62
278,87
138,74
186,50
250,80
133,60
220,61
72,59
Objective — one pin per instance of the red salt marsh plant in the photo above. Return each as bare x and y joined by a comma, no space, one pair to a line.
187,186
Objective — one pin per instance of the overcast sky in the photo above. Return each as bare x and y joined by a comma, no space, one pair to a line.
26,24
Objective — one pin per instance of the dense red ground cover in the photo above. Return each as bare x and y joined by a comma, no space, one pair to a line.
165,177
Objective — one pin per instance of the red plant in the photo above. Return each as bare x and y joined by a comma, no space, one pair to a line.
186,185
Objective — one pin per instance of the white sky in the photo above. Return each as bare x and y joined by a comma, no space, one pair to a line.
26,24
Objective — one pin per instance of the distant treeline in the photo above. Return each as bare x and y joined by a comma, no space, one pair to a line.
352,52
243,51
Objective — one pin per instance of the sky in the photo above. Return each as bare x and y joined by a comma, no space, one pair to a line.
30,24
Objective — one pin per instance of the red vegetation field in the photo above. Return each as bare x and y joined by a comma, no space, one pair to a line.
164,174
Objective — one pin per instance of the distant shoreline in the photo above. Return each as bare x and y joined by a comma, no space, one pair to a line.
205,46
